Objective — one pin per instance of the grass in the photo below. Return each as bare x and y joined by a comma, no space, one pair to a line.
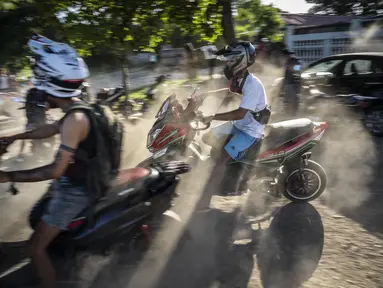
139,94
26,72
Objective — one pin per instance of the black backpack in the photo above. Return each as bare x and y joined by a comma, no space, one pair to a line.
104,166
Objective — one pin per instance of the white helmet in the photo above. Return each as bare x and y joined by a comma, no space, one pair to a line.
238,57
57,70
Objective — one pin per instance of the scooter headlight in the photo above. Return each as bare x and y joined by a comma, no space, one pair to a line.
152,137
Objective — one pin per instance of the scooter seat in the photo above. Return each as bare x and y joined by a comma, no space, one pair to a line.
130,184
281,132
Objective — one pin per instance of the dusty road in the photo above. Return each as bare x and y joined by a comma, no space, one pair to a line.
336,241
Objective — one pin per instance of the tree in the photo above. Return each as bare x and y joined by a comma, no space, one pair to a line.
227,21
123,26
115,26
19,20
346,7
256,18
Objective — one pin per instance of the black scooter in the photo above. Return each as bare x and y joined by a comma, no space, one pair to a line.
111,97
136,201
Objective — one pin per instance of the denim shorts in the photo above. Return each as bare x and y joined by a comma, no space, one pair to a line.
68,201
239,142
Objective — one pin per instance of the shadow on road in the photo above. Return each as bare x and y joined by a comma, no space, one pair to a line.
287,253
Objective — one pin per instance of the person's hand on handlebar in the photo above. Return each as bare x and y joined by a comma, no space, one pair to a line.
197,99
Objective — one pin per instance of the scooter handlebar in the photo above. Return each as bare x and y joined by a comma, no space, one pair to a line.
197,119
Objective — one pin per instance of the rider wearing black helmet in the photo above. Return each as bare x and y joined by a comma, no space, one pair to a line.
242,124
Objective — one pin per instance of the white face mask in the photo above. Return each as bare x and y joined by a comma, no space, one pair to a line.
297,68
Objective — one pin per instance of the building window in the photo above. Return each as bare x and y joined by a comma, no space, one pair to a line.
308,43
322,29
341,42
341,45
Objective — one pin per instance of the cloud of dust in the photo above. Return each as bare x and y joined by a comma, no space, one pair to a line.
349,155
347,152
366,40
152,266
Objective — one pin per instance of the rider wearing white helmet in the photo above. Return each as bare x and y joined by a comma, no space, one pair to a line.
58,75
245,126
57,69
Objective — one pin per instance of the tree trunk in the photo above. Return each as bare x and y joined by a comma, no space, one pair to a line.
125,77
227,21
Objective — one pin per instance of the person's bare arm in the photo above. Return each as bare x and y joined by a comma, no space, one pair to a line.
74,130
42,132
215,91
191,105
231,115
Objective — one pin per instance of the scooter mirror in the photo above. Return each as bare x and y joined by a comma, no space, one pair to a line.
196,88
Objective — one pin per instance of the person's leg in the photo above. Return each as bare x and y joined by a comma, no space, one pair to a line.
290,98
67,202
37,250
247,170
236,148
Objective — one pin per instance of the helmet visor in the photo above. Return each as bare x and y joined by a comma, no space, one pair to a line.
230,59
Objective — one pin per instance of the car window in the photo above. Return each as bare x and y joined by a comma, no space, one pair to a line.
358,67
325,66
377,66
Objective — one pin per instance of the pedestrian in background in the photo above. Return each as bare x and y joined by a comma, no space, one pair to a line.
210,57
192,60
292,82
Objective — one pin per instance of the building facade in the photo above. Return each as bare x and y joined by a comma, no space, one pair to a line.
313,37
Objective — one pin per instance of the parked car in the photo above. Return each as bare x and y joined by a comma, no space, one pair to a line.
355,76
353,73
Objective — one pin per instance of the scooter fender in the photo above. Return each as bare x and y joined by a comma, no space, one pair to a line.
146,162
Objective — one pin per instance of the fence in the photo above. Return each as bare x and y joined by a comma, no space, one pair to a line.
312,50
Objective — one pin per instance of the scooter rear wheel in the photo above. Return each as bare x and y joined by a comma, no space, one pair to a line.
308,187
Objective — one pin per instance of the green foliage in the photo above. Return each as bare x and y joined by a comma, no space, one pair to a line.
19,20
347,7
254,17
122,26
104,27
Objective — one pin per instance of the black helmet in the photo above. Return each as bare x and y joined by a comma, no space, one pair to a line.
238,56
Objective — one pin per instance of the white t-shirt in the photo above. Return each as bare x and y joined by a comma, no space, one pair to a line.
253,99
208,51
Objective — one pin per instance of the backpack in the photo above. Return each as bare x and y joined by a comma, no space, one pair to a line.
104,166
